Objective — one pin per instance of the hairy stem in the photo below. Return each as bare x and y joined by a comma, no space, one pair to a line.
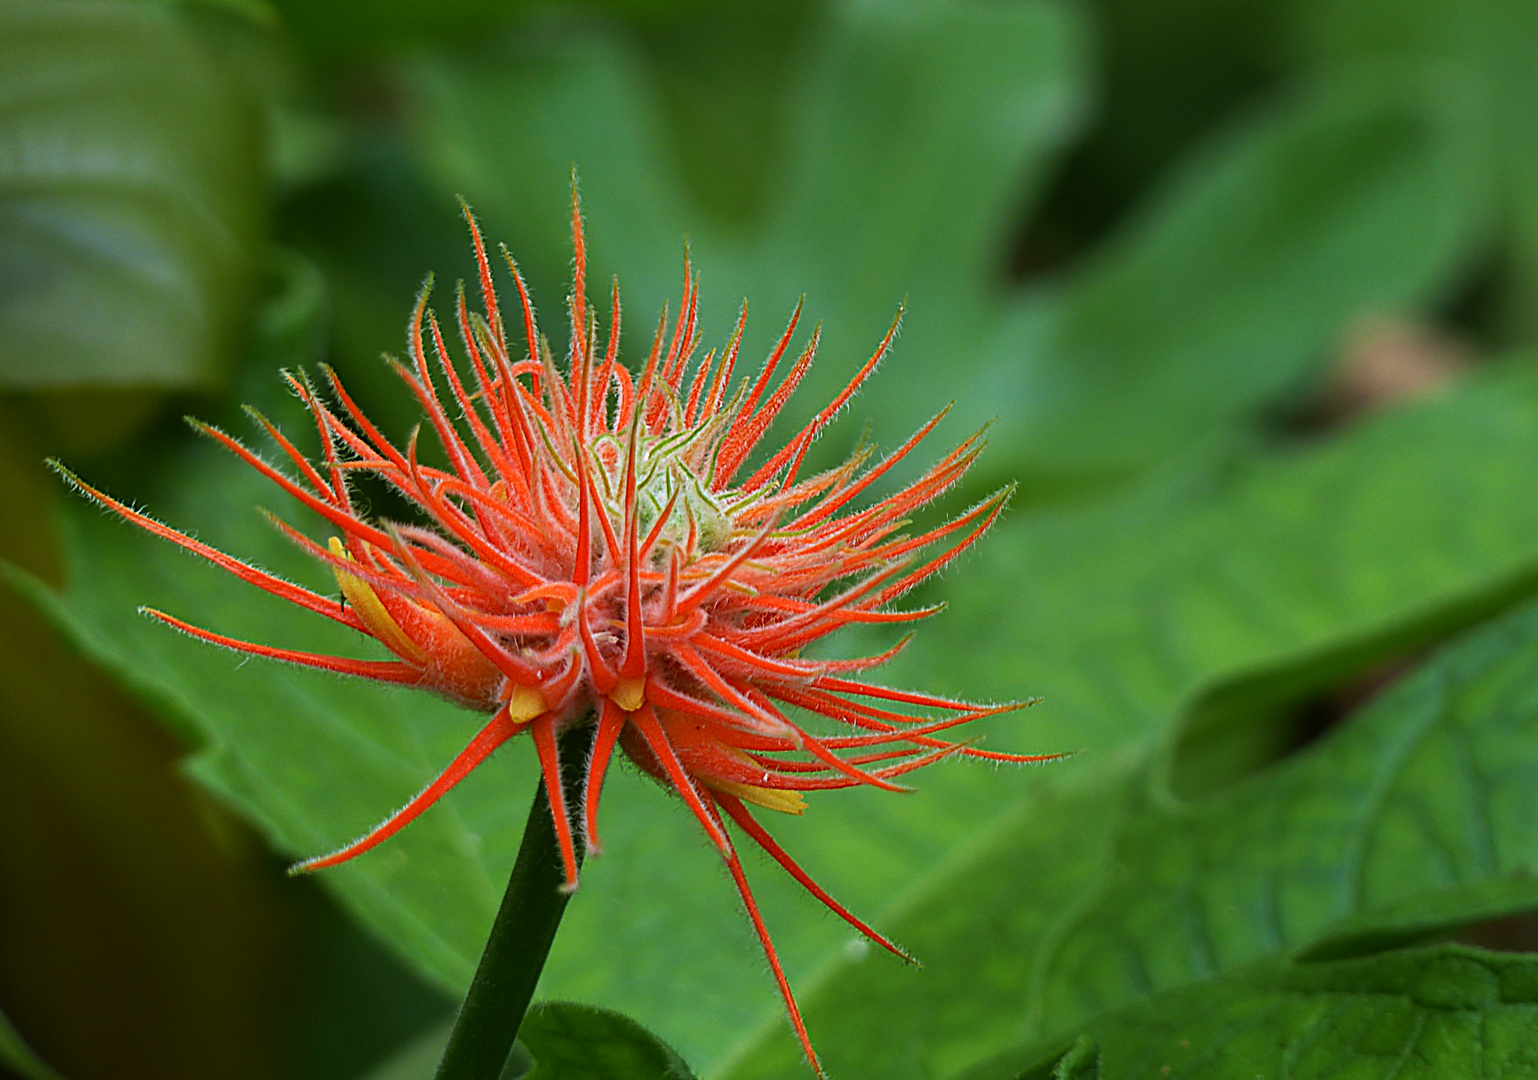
522,935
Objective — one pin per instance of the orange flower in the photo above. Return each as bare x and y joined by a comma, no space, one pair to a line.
595,556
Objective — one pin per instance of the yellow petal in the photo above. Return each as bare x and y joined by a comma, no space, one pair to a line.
376,619
525,704
781,799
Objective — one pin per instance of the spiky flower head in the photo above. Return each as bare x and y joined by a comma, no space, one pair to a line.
604,548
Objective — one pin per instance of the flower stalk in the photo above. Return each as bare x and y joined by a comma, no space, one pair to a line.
522,934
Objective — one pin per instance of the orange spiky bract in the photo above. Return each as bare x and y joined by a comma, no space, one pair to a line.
595,558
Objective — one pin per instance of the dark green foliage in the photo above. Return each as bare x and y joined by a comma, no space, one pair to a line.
131,198
578,1042
1447,1013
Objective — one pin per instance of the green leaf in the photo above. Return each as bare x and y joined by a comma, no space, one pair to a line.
1171,69
1487,47
1362,194
560,1040
578,1042
343,29
1412,817
418,1060
1120,617
1131,612
1447,1012
1123,614
16,1054
1081,1062
131,189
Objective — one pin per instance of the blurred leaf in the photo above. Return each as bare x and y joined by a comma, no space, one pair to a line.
418,1060
141,933
375,233
1169,69
16,1054
578,1042
355,1003
1487,46
1081,1062
1442,1012
724,76
1422,802
131,191
355,28
918,132
1361,195
360,30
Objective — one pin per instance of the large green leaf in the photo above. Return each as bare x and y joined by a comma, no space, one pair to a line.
349,30
1416,815
1447,1013
560,1040
1170,70
1120,614
1407,518
131,197
578,1042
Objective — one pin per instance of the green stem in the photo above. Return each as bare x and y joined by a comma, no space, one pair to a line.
522,935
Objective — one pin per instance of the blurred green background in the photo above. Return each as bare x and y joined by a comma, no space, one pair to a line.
1245,287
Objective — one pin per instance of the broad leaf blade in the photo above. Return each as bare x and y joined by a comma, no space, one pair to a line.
1438,1013
1361,194
130,198
1412,818
1118,644
1120,614
1486,45
578,1042
926,134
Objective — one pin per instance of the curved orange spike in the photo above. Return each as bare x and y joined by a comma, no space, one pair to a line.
582,561
645,722
740,879
798,446
483,265
749,824
390,671
610,723
603,676
543,730
271,583
493,735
